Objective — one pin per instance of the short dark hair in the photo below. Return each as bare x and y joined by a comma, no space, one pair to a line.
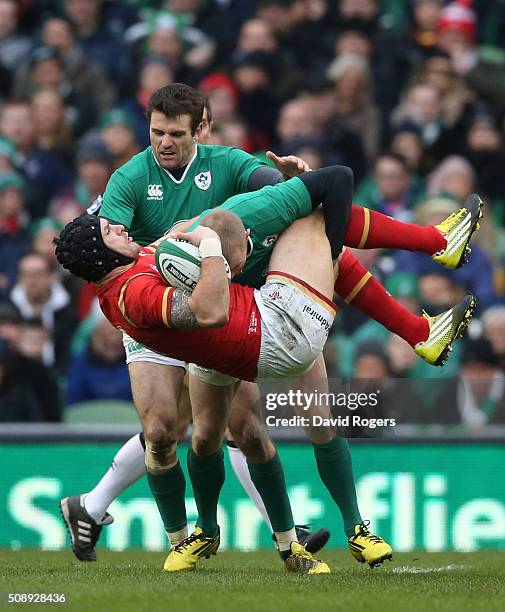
175,100
206,104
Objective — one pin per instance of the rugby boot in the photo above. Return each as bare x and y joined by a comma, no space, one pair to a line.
445,328
185,556
83,529
458,229
302,562
367,547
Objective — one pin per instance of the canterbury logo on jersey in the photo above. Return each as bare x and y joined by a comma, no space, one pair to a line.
154,192
203,180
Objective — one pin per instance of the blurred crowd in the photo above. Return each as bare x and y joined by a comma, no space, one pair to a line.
410,94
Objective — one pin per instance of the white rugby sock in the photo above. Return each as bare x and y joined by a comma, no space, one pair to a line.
127,467
239,464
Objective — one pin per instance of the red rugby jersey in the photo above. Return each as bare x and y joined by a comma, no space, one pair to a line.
139,302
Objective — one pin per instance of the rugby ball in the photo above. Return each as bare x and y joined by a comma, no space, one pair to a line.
178,261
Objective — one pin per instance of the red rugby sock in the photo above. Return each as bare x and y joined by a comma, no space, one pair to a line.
356,285
369,229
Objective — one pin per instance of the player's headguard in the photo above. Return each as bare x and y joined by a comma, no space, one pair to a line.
81,250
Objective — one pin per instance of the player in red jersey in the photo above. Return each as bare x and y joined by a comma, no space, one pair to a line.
286,303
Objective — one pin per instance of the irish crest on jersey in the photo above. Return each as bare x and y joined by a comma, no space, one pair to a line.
203,180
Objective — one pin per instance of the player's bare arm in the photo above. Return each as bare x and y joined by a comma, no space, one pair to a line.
181,315
210,300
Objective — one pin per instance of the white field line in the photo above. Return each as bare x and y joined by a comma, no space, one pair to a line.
407,569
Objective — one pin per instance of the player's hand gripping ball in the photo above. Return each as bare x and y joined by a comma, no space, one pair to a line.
178,261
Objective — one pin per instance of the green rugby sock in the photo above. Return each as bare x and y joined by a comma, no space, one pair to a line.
168,490
207,478
334,464
269,480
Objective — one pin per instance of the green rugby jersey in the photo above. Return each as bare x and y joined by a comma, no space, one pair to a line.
148,200
267,213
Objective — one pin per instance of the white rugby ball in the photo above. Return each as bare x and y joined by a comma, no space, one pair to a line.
178,261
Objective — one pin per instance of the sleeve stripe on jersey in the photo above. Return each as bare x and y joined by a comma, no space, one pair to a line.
165,315
121,299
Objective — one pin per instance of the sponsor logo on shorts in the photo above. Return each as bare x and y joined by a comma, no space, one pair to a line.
203,180
274,295
154,192
253,324
318,316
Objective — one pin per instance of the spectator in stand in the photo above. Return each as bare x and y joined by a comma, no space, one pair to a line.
457,36
475,399
456,99
422,105
223,95
485,150
258,35
52,129
94,168
253,75
98,39
14,47
154,73
354,106
392,190
296,121
164,41
33,338
118,132
43,233
9,156
406,141
13,228
425,17
28,390
99,372
386,47
85,77
45,172
454,177
38,294
46,69
493,320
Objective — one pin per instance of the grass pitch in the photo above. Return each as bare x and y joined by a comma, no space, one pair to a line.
250,582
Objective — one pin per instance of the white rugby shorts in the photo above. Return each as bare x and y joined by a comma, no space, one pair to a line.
136,352
295,323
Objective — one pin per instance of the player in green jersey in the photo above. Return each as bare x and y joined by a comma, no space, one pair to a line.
153,392
173,179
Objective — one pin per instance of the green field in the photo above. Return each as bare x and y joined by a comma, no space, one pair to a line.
250,582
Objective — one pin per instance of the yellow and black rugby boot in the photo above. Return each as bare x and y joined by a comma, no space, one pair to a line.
302,562
367,547
185,556
445,328
458,229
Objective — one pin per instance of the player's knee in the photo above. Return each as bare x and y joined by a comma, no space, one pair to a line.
159,458
252,438
205,442
160,431
320,435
